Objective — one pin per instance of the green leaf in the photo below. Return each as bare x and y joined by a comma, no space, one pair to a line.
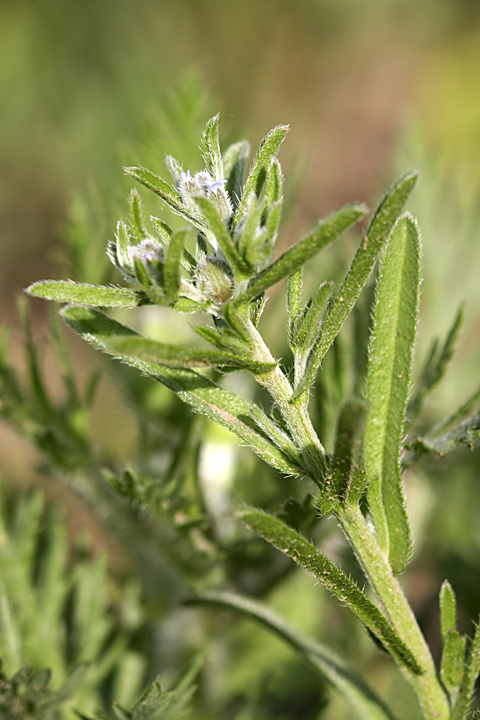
172,269
435,366
307,556
365,702
211,149
294,301
294,258
241,269
178,356
367,254
274,189
136,216
452,423
202,394
167,193
388,384
448,608
82,294
258,172
337,488
470,676
453,659
308,325
234,166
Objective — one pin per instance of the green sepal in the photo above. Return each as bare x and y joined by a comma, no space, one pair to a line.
307,556
448,608
163,230
246,230
453,659
221,406
174,167
388,384
235,161
241,269
167,193
346,465
136,216
258,173
141,274
294,258
123,240
211,149
178,356
172,267
364,701
67,291
378,232
274,186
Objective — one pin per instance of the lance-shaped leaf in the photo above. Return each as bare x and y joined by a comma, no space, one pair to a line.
234,167
365,702
136,216
241,269
294,258
345,481
435,366
454,421
448,608
172,269
307,556
66,291
178,356
308,326
380,227
294,302
167,193
258,172
470,676
202,394
211,149
388,384
453,659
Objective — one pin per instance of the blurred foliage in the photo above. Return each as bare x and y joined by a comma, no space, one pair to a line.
77,80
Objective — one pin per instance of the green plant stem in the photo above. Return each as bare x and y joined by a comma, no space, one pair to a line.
375,565
294,413
377,569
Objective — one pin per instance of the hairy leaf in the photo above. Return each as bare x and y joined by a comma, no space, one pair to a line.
388,384
168,194
307,556
294,258
240,268
202,394
258,172
67,291
143,349
367,254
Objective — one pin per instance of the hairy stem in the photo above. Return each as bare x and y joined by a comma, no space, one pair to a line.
377,569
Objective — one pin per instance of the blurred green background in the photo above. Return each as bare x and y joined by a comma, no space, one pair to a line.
370,88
